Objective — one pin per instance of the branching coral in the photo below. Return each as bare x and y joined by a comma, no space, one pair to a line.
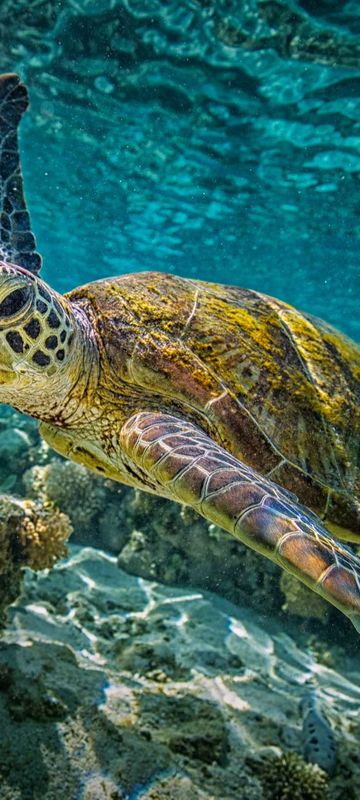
72,488
289,777
42,535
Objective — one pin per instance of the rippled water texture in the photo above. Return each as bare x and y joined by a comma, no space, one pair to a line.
208,137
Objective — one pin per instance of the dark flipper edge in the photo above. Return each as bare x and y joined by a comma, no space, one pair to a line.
17,242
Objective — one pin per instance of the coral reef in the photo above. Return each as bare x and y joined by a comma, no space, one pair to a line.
31,534
71,487
289,777
301,601
42,535
11,518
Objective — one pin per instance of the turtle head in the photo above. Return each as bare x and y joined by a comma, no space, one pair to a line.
36,332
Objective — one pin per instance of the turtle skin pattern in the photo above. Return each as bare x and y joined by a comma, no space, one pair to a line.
278,389
185,464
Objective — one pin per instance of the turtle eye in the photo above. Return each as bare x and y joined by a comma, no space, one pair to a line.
14,302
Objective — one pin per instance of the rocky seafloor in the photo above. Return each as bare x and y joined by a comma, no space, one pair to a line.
116,687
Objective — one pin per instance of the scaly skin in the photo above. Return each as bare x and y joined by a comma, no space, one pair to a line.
186,465
17,240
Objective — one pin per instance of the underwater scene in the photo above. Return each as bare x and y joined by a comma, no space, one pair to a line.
180,440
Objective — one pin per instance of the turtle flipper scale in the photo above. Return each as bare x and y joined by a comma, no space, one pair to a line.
17,242
184,464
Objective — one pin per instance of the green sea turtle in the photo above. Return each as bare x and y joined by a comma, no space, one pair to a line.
214,396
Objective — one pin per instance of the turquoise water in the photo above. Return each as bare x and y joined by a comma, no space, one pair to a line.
216,139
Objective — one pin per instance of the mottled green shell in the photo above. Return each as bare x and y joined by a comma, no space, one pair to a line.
278,388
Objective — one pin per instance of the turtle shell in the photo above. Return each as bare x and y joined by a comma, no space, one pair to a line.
277,388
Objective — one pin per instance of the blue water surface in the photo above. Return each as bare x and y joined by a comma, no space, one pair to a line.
209,138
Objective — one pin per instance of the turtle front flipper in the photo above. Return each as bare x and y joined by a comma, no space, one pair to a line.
17,242
182,463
